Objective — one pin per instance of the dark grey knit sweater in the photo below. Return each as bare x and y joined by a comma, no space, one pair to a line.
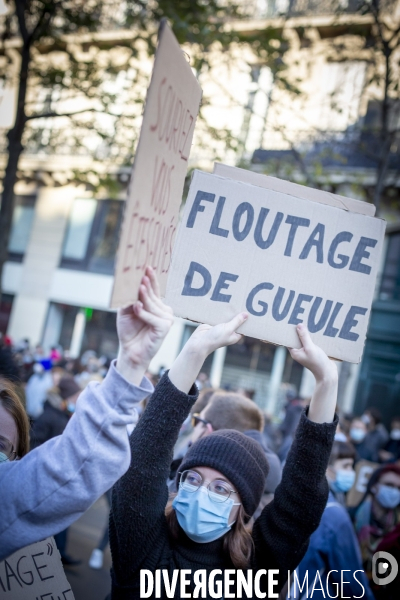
139,535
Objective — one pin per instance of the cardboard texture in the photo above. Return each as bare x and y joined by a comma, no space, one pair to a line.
159,170
34,573
294,189
283,259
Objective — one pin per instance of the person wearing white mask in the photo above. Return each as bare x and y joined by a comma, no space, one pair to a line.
358,432
378,512
391,451
333,546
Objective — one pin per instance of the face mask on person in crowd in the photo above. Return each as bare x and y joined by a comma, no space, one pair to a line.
3,457
200,518
387,496
395,434
357,435
340,437
71,407
344,480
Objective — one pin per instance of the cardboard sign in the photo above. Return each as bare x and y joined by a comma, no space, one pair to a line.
34,573
283,259
158,175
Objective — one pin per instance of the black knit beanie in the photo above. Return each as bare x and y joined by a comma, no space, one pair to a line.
238,457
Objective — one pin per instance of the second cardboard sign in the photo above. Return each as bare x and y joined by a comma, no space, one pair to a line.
285,260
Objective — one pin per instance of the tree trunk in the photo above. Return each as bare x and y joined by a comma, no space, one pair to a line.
14,152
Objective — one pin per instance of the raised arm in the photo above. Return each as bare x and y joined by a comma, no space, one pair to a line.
282,531
64,476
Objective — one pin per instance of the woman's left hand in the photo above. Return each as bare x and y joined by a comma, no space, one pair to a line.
313,357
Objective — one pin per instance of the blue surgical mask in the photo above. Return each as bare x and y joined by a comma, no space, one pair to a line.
3,457
357,435
200,518
344,480
71,407
388,497
340,437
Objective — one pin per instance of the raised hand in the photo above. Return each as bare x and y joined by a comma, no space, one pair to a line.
311,356
141,329
202,342
205,339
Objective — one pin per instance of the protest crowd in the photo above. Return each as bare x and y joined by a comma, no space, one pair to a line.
197,479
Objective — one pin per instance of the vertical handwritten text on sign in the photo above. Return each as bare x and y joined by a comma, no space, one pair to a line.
159,171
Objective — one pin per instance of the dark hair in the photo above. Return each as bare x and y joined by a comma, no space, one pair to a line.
238,542
395,419
10,400
375,414
375,477
341,450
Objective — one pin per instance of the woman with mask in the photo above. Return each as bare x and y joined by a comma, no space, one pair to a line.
207,526
378,512
333,546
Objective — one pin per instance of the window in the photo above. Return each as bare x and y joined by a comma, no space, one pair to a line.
22,221
91,240
79,228
390,285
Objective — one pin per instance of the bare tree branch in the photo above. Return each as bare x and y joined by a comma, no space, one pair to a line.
53,114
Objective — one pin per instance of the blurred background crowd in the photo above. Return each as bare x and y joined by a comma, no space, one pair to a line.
362,515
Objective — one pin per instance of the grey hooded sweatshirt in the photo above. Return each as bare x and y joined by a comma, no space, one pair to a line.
52,486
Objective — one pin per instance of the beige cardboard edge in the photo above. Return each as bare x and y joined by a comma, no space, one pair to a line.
294,189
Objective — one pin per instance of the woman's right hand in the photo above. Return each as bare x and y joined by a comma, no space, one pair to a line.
207,338
203,341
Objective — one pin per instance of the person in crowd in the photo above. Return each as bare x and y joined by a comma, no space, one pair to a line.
357,434
377,435
391,450
228,410
334,545
37,387
378,512
58,407
340,435
63,477
221,480
14,425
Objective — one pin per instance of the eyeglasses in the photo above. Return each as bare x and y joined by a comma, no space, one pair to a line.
7,448
197,419
218,490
